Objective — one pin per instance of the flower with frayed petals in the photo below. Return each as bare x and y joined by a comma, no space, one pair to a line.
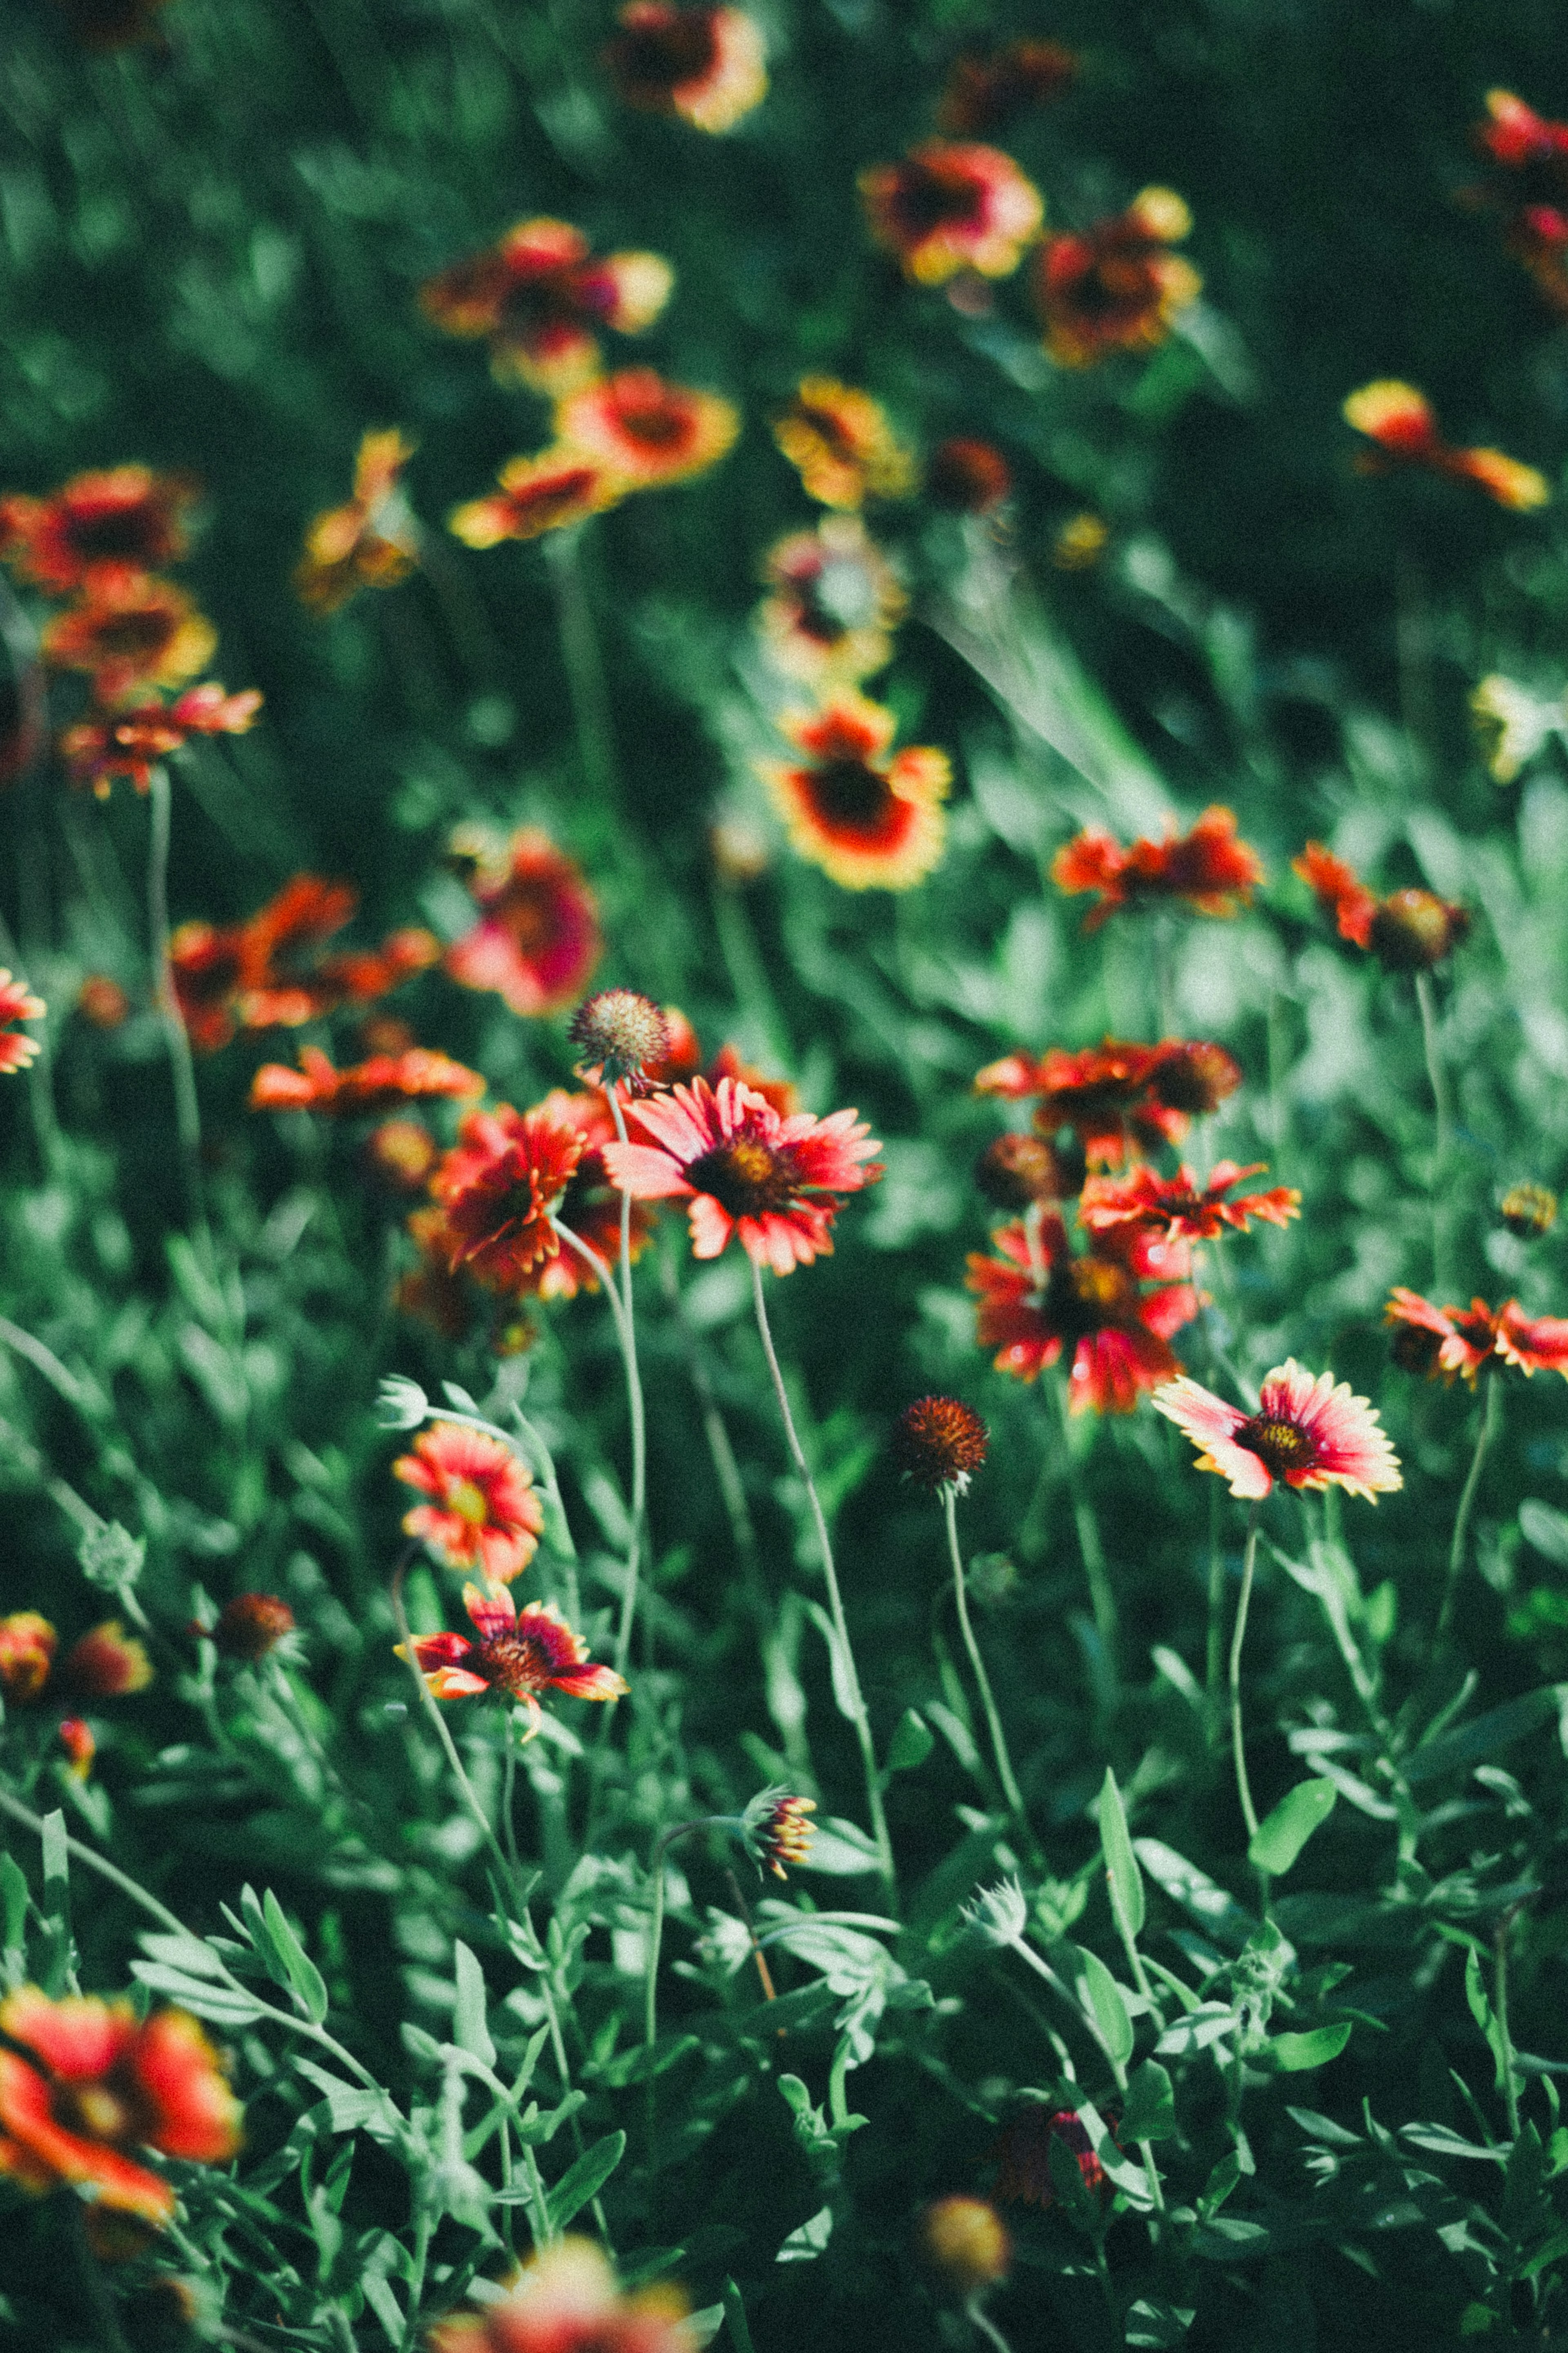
646,432
983,93
967,475
268,970
842,446
621,1035
365,1089
775,1830
370,542
1474,1339
1039,1301
129,741
1119,1099
1402,427
835,604
1179,1209
539,296
481,1511
122,517
950,207
1210,869
940,1443
1023,2153
565,2300
537,494
1116,287
707,65
870,823
27,1647
250,1626
1531,189
518,1653
1529,1211
1309,1432
17,1003
773,1182
106,1664
537,939
85,2081
1410,931
499,1188
129,630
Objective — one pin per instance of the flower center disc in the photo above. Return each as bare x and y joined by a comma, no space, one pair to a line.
1282,1445
468,1502
518,1663
747,1178
848,793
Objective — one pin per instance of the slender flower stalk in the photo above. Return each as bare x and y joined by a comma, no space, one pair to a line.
656,1926
999,1749
1102,1594
620,1310
1238,1636
1442,1105
584,669
187,1109
1491,1422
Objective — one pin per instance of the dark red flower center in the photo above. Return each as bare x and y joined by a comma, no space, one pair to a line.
924,199
653,423
518,1663
849,793
109,2107
128,534
747,1177
1414,929
146,631
662,57
1084,1295
528,912
1283,1446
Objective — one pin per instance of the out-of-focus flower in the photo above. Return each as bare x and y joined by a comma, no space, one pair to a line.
590,1207
1179,1209
537,494
431,1294
1529,1211
1017,1169
565,2300
950,207
965,2242
1532,192
518,1654
125,518
1309,1432
131,741
776,1831
404,1152
1410,931
939,1441
537,939
983,93
481,1511
268,972
106,1664
1080,542
871,823
128,630
1119,1099
372,541
967,475
1402,427
776,1183
103,1002
250,1625
364,1089
1469,1341
89,2081
1023,2154
835,604
27,1647
729,1063
539,297
1039,1301
81,1747
1512,725
707,65
1116,287
1210,867
499,1188
17,1003
647,432
622,1037
739,848
842,446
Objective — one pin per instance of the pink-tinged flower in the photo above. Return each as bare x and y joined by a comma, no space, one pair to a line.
130,743
499,1188
370,542
119,518
482,1511
1179,1209
950,207
707,65
1038,1300
1310,1433
565,2300
644,432
1410,931
773,1182
518,1654
539,296
538,494
1117,286
1402,427
106,1664
1474,1339
366,1088
17,1003
1210,869
89,2081
537,939
27,1647
871,822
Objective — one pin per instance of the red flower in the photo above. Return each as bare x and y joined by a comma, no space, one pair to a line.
17,1003
949,208
126,518
984,93
266,971
1451,1340
538,937
537,494
869,822
591,1205
519,1653
728,1063
539,296
646,432
1119,1100
1409,930
840,442
1178,1209
1116,287
106,1664
81,1747
565,2300
370,542
1310,1434
130,631
835,604
1209,868
1023,2154
1400,423
131,743
250,1626
777,1831
1533,153
482,1510
940,1443
365,1089
967,475
707,65
1038,1300
96,2081
499,1188
773,1182
27,1647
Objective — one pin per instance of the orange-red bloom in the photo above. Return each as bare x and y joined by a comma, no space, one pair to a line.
539,296
776,1183
968,477
835,604
983,93
1038,1300
707,65
122,518
1310,1433
646,432
536,940
558,487
841,444
565,2300
128,630
1116,287
267,971
499,1188
590,1207
27,1647
1119,1100
939,1441
869,822
777,1830
1409,930
950,207
131,741
1533,154
518,1654
1178,1209
17,1003
370,542
1402,427
90,2081
1449,1340
1209,868
364,1089
81,1747
106,1664
482,1511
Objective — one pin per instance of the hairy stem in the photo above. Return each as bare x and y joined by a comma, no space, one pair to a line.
621,1316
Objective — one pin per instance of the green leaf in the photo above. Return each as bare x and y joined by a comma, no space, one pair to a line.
1293,2053
1454,1751
1159,2324
1482,2012
1281,1836
840,1668
735,2314
1101,1998
805,2245
1150,2113
585,2179
14,1905
469,2031
224,2005
643,2062
1121,1862
305,1980
911,1745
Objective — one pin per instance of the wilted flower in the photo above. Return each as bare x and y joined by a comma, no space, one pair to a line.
106,1664
537,494
869,822
948,207
776,1831
1179,1209
983,93
1023,2154
1039,1301
1309,1432
121,518
250,1625
499,1188
1529,1211
841,444
366,1088
27,1647
1400,423
1512,725
131,741
482,1510
965,2242
537,939
372,541
646,432
1117,286
940,1443
128,630
565,2300
967,475
17,1003
1410,931
707,65
1210,869
539,297
518,1654
835,604
621,1035
1476,1339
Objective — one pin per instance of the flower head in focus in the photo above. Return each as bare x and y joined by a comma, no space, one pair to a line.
1410,931
952,206
871,822
1117,286
1402,427
537,494
515,1653
365,1089
500,1187
537,939
1309,1432
940,1443
128,630
644,432
481,1511
1111,1310
370,542
129,742
565,2300
834,604
119,519
539,297
1179,1209
622,1037
776,1829
709,66
1475,1339
1210,869
841,444
983,93
17,1003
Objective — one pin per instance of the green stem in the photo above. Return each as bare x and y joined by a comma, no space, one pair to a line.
656,1934
726,1470
626,1337
835,1600
187,1108
1491,1422
999,1750
1499,2005
1215,1659
1042,1967
584,671
1238,1746
635,1406
1102,1597
1443,1109
97,2287
986,2327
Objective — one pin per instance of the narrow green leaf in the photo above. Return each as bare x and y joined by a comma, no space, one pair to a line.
469,2031
14,1905
1121,1862
838,1665
1281,1836
585,2179
735,2317
1454,1751
305,1980
57,1859
224,2005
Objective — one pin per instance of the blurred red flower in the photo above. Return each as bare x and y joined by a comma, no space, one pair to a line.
126,518
1470,1340
1209,868
968,477
707,65
106,1664
1409,930
131,741
1023,2154
370,542
1179,1209
268,972
1532,157
951,207
834,604
538,494
539,296
1039,1299
27,1647
840,442
564,2299
128,630
869,822
481,1511
536,940
646,432
1117,286
1119,1100
366,1088
983,93
1402,427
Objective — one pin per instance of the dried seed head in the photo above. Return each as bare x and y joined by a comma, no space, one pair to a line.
1529,1211
251,1625
965,2242
938,1442
620,1034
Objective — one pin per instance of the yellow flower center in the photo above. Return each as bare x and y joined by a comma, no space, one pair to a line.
1282,1445
468,1502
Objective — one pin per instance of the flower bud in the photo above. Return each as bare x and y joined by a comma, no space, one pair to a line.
76,1738
999,1914
107,1664
776,1829
1414,929
251,1625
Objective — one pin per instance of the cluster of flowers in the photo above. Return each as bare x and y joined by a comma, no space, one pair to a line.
270,972
1530,189
105,1663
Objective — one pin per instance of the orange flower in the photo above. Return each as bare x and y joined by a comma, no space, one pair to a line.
842,446
370,542
1533,153
125,518
106,1664
1410,931
707,65
1209,868
835,604
539,296
95,2081
365,1089
17,1003
984,93
591,1205
537,494
729,1063
968,477
77,1739
518,1654
869,822
266,972
949,208
1041,1300
130,743
500,1186
537,939
565,2300
1178,1209
776,1831
1116,286
482,1511
128,630
940,1443
1476,1339
27,1647
1401,425
1119,1100
646,432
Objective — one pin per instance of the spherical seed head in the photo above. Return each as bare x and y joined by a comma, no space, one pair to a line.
1017,1169
251,1625
619,1033
1529,1211
938,1442
965,2242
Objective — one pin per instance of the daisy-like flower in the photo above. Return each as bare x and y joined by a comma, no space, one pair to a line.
967,475
1119,1099
131,741
834,605
268,972
953,205
251,1627
776,1829
1179,1209
86,2081
539,296
565,2300
27,1647
644,432
1039,1301
126,518
983,93
1402,427
366,1088
1023,2154
1309,1432
776,1183
1410,931
940,1443
1210,869
17,1003
129,630
871,823
1116,287
499,1188
537,494
106,1664
517,1654
1532,192
842,446
709,66
372,541
482,1511
1471,1340
537,939
965,2242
